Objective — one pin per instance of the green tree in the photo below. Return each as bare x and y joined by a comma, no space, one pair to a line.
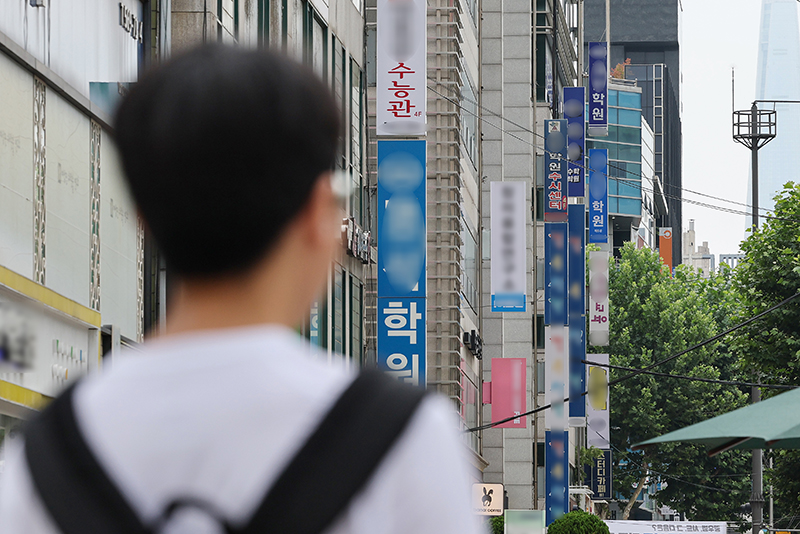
770,347
578,522
654,316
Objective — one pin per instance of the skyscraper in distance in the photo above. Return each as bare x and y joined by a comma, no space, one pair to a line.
778,78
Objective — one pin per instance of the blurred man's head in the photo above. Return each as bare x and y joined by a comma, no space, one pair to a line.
227,152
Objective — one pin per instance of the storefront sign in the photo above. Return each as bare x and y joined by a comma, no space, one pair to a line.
599,477
597,402
555,275
598,89
575,112
598,195
555,171
508,246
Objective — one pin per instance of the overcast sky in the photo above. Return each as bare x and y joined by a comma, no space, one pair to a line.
717,35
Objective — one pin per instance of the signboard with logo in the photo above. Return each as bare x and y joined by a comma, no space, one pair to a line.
487,499
665,246
555,171
575,112
508,246
401,260
599,477
401,90
598,89
598,195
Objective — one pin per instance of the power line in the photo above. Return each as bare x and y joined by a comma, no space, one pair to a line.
692,378
640,371
585,167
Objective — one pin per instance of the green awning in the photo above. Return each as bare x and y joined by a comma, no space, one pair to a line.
770,424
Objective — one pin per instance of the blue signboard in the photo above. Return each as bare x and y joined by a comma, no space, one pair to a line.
555,276
557,475
401,219
575,111
577,308
401,338
598,89
599,476
401,260
555,170
598,195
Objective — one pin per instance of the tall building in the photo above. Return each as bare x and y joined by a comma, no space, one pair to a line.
778,78
74,275
649,35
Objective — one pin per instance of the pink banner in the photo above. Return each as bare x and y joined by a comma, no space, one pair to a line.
509,379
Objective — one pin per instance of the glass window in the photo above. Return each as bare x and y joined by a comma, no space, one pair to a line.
355,141
469,276
612,116
612,205
628,135
340,95
612,97
540,203
634,171
630,189
539,333
539,273
612,186
629,152
630,206
540,378
319,48
338,310
356,342
612,134
630,100
630,117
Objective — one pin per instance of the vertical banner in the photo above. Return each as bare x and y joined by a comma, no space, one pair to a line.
401,91
577,308
555,170
599,476
508,246
556,475
597,403
598,90
598,298
556,376
555,273
598,195
575,112
401,260
665,246
509,396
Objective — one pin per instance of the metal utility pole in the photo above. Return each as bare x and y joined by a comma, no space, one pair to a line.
754,129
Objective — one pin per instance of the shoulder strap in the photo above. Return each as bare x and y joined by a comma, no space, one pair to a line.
339,458
78,493
333,465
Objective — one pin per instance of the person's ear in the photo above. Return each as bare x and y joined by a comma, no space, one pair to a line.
322,213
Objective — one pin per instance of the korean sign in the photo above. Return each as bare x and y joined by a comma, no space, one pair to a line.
577,308
599,477
401,75
597,400
598,298
598,195
658,527
555,274
557,475
598,89
401,260
556,376
574,111
508,246
555,170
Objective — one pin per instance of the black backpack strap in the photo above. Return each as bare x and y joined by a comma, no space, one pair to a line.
339,458
76,490
333,465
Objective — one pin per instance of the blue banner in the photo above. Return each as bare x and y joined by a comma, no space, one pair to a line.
401,339
555,170
575,112
599,477
401,260
598,195
555,274
556,461
577,308
598,89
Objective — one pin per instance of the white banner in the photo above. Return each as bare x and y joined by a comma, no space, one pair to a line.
597,402
556,375
598,298
661,527
401,90
508,246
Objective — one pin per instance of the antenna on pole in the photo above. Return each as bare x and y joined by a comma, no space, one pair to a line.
733,89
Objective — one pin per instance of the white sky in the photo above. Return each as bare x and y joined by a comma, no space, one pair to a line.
717,35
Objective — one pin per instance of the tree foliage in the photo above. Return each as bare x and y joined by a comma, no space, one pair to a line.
653,316
578,522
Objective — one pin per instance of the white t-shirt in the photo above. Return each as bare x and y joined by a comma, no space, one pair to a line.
218,415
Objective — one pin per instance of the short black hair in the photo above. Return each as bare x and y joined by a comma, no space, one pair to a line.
221,148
